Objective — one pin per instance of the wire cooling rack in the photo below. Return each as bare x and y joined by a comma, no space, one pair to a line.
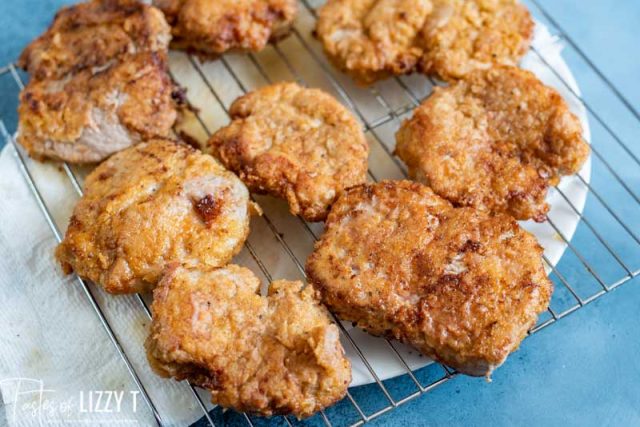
604,253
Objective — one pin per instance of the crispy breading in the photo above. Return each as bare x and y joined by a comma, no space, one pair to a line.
99,82
495,140
150,205
85,117
211,28
278,354
295,143
375,39
460,285
460,36
372,39
91,35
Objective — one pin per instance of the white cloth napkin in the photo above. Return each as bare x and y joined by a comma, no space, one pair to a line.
57,364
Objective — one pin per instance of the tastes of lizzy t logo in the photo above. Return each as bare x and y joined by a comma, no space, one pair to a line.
28,402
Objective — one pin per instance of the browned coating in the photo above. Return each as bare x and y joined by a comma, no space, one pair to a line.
460,36
137,216
211,28
372,39
295,143
375,39
494,140
460,285
90,35
278,354
86,116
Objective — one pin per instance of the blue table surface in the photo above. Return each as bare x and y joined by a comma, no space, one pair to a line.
583,370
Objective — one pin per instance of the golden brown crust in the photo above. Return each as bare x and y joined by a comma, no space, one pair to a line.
460,36
99,82
494,140
86,116
90,35
278,354
374,39
460,285
211,28
148,206
295,143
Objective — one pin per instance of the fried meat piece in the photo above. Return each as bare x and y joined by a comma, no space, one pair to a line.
211,28
375,39
148,206
372,39
495,140
278,354
92,35
295,143
86,117
460,36
460,285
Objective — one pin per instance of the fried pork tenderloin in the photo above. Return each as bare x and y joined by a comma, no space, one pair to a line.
375,39
93,35
87,116
372,39
461,36
157,203
99,82
210,28
265,355
295,143
460,285
495,140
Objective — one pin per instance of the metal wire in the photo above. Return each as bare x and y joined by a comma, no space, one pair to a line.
85,287
591,64
373,126
78,189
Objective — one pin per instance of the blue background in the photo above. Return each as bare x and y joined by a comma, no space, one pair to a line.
583,370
